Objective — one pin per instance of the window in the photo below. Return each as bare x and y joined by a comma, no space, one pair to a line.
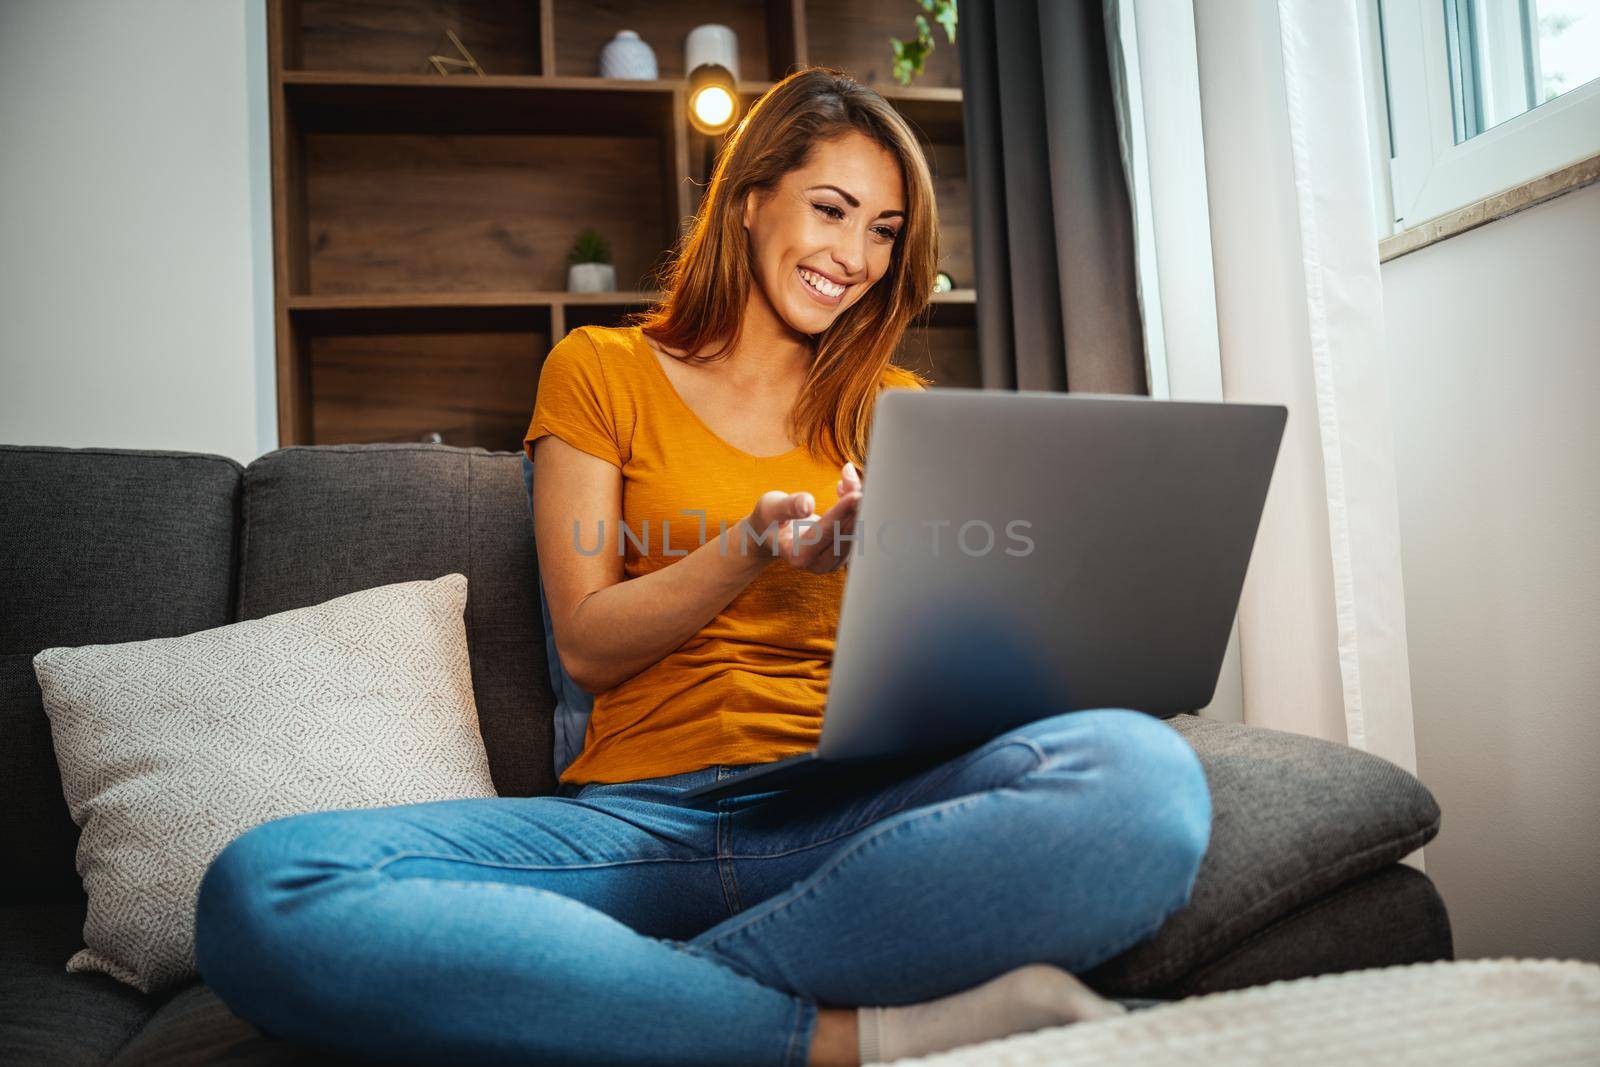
1509,56
1482,96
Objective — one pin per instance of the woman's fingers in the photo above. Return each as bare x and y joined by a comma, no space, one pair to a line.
822,547
809,540
776,507
844,508
849,480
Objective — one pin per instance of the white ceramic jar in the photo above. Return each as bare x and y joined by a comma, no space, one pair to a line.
627,56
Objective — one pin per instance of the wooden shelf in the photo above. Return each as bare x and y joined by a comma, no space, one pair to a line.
387,301
332,101
552,313
346,301
421,221
471,82
419,103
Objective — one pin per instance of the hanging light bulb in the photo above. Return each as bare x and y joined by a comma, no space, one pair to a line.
711,56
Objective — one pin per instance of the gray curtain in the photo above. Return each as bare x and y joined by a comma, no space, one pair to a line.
1052,229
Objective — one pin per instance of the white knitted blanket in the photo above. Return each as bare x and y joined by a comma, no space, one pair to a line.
1465,1013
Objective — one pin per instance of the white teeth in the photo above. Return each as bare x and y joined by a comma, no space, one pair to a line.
821,284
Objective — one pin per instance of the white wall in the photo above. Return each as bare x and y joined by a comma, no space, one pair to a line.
135,239
1494,343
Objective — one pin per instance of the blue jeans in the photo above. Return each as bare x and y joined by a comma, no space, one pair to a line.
626,925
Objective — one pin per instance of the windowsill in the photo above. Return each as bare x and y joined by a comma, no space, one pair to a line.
1537,191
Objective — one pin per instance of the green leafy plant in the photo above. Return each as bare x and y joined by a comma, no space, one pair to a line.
589,248
909,55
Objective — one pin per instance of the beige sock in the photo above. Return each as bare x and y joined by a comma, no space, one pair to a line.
1028,998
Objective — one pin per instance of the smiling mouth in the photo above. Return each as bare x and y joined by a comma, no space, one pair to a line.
821,296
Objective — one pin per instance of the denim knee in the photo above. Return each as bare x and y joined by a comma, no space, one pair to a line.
1149,778
237,928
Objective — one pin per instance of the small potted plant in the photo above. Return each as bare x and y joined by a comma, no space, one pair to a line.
589,268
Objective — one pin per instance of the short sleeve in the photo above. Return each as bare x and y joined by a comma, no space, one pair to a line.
574,401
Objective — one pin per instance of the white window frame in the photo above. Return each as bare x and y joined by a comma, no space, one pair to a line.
1429,174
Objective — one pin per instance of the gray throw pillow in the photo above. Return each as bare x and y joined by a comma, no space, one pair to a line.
170,748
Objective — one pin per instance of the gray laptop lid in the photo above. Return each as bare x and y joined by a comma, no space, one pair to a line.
1023,554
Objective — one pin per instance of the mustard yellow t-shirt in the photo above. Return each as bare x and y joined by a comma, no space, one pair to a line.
751,685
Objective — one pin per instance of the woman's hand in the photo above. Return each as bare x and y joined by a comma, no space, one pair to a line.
784,525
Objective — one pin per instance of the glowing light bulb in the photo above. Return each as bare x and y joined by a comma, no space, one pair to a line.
713,105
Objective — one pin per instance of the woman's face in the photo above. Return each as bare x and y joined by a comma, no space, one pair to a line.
833,222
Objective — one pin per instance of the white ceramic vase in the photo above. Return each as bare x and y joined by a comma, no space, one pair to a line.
591,278
627,56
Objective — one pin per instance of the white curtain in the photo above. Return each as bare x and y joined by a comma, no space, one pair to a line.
1300,320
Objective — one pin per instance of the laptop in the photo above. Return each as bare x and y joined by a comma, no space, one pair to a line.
1024,554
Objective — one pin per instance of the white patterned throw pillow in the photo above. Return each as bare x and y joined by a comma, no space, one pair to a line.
171,748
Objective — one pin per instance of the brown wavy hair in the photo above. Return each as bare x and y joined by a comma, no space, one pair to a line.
707,280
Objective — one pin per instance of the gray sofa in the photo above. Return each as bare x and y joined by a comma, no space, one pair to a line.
108,545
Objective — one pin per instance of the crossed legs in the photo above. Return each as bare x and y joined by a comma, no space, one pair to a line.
562,930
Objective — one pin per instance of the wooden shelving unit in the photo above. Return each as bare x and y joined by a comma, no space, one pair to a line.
421,222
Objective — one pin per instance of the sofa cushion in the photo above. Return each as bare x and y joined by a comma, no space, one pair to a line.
1392,917
195,1028
1294,818
48,1015
97,545
322,521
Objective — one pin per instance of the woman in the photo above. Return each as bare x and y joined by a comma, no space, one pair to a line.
616,923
